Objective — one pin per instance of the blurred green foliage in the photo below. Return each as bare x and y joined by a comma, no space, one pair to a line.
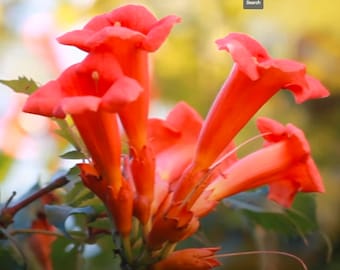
189,67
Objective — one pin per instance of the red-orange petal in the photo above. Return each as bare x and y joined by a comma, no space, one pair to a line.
189,259
121,207
284,164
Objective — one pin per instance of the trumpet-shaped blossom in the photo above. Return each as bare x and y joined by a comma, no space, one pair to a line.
91,92
96,83
112,198
129,33
179,168
174,139
143,172
284,163
255,78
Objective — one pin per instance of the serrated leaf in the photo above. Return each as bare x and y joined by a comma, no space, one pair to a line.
57,215
21,85
74,154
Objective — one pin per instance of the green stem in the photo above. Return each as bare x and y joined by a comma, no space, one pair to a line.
127,248
147,229
169,248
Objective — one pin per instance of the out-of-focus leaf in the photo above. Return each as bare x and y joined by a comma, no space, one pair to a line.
74,154
76,191
303,213
102,223
93,201
16,251
79,196
21,85
68,131
8,261
64,131
272,221
5,163
106,259
64,254
73,174
300,219
255,201
57,215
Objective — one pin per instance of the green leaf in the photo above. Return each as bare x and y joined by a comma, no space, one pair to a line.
21,85
69,132
64,254
255,201
5,164
272,221
102,223
74,154
300,219
8,258
65,131
58,214
79,194
303,213
73,174
16,250
75,192
95,203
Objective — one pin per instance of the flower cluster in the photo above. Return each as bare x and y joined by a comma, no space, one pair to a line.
176,170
